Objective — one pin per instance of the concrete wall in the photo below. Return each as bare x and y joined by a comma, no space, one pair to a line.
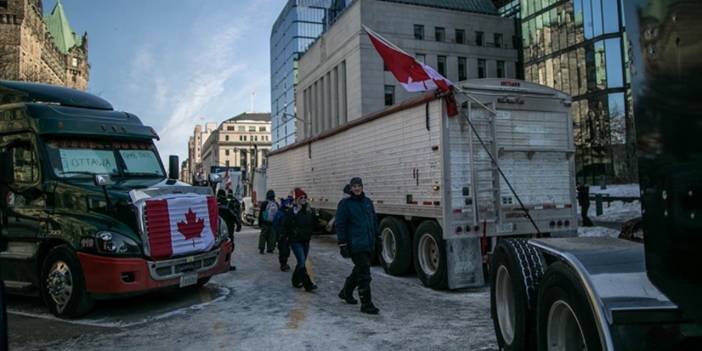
346,44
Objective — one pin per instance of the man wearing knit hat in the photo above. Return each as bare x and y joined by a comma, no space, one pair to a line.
356,231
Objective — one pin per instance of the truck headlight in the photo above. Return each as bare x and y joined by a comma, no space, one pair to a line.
111,243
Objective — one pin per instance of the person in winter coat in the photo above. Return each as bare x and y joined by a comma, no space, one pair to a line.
265,221
282,232
300,232
356,231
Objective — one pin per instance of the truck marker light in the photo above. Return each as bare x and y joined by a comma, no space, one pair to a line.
459,230
560,223
552,224
567,223
426,203
468,228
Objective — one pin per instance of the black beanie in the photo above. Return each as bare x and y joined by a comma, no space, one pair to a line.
356,181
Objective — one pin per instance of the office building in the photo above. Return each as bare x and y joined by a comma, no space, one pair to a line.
342,77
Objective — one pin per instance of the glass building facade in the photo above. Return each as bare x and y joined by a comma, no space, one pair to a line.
299,24
580,47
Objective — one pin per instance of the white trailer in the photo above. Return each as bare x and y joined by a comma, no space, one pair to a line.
440,199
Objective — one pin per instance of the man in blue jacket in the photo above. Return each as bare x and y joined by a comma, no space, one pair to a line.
356,230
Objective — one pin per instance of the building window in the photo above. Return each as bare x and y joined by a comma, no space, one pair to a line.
261,129
226,137
252,128
244,137
3,3
439,34
462,72
242,128
479,38
227,163
460,36
255,137
74,61
226,152
500,69
418,32
441,65
230,128
498,40
481,68
389,95
421,58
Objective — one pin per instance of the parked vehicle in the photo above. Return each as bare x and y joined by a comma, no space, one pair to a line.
611,293
255,196
86,208
440,200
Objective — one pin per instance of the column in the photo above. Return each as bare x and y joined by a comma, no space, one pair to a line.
343,108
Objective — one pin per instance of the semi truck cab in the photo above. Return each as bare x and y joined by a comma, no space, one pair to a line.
81,187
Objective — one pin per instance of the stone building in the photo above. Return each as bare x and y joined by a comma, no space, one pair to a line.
241,141
195,147
39,48
342,77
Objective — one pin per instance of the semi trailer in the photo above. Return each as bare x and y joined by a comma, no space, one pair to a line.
610,293
441,200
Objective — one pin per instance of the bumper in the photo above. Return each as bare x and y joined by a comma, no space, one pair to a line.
124,276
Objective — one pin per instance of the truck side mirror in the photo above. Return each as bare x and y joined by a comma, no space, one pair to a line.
7,169
173,167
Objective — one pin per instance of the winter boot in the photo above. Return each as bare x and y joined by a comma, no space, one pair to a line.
366,303
346,292
285,267
307,281
297,278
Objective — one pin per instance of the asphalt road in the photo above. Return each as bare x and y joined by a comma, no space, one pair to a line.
255,308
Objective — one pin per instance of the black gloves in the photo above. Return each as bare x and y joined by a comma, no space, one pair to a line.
344,250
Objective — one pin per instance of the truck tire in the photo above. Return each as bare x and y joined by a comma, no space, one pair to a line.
63,285
565,320
430,255
395,246
516,270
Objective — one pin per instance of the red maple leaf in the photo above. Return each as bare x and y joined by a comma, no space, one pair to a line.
192,227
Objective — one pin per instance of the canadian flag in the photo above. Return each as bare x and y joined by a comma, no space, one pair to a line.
413,75
181,225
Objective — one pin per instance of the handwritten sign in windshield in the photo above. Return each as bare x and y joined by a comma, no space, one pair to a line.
93,161
141,161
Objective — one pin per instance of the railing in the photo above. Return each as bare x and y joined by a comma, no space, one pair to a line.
600,199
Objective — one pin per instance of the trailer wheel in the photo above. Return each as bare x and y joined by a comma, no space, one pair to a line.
395,246
565,320
516,270
430,255
62,284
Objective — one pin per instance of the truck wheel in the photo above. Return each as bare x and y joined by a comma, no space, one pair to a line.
63,285
565,320
516,270
396,246
430,255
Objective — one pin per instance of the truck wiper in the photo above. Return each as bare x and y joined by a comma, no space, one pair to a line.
77,172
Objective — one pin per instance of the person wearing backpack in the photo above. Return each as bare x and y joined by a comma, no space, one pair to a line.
281,231
267,238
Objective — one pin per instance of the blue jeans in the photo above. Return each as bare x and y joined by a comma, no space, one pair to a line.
300,250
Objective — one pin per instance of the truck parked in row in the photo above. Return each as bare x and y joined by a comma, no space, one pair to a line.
609,293
86,209
440,198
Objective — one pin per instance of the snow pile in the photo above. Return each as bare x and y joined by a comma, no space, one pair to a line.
619,190
597,232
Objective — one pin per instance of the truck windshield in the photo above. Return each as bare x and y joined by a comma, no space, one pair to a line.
81,158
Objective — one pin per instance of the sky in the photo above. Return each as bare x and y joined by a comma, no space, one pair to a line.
177,63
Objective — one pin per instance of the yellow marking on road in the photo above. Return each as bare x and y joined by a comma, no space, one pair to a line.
302,302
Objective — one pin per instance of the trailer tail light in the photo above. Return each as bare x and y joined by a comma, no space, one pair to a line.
560,223
552,224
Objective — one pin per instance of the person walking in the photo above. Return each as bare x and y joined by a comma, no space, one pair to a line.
300,232
356,231
282,231
267,238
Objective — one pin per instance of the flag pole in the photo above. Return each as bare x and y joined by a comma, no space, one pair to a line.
492,157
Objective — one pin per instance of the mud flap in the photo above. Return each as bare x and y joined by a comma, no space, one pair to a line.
464,263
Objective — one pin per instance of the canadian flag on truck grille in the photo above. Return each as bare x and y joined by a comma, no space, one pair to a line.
181,225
